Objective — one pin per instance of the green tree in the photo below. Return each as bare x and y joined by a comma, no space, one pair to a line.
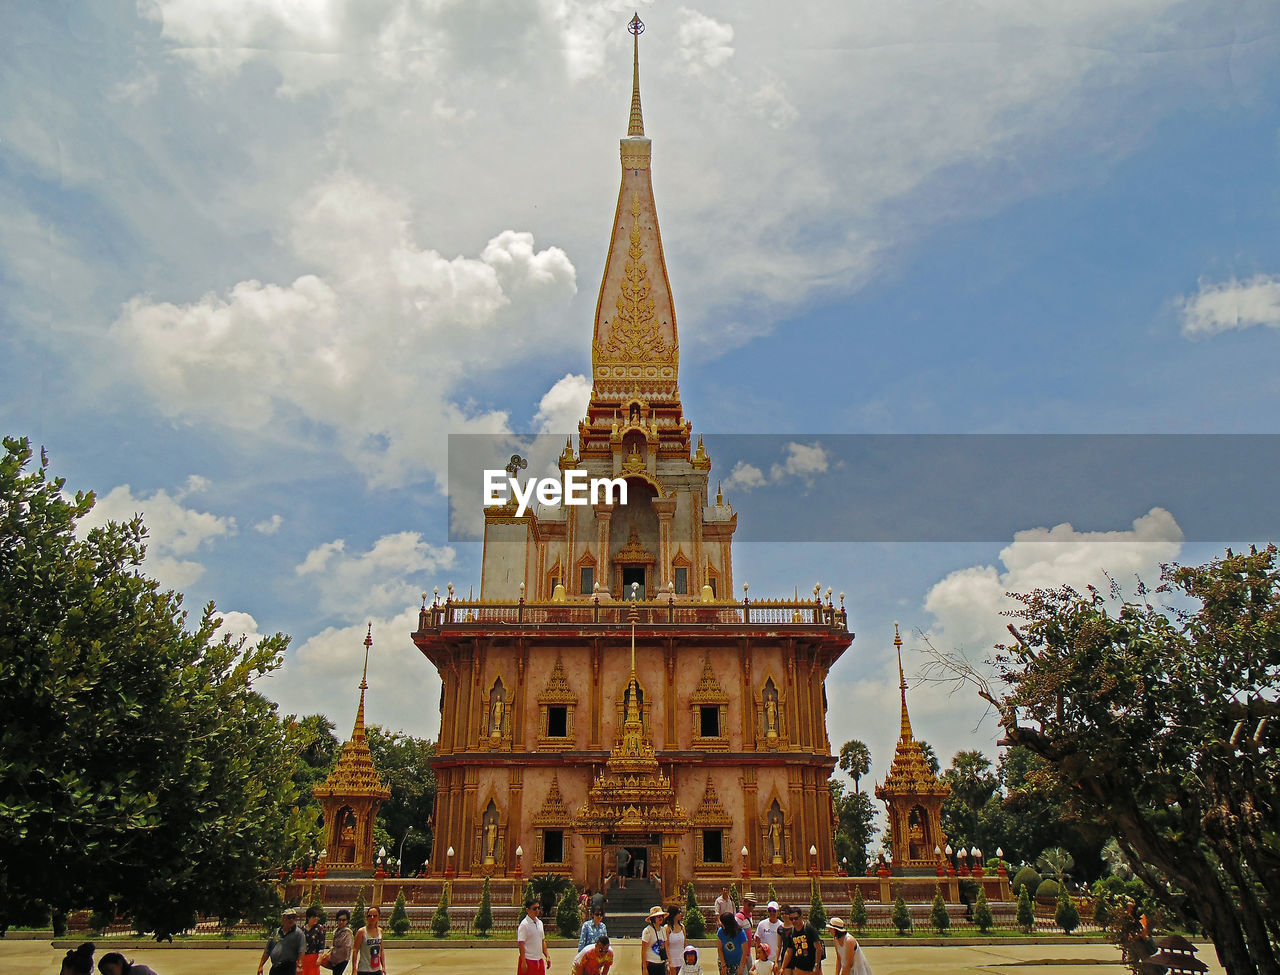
982,916
1155,717
973,784
901,915
773,892
140,771
1026,877
569,913
1055,862
357,912
817,913
855,761
399,921
695,924
930,757
1066,916
404,763
858,910
1026,913
440,919
733,895
938,915
483,922
319,905
855,829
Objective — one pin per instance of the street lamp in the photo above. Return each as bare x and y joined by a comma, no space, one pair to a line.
745,866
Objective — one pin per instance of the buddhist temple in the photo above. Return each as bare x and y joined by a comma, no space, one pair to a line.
606,692
351,795
913,795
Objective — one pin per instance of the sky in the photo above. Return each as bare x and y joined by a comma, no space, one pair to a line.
259,258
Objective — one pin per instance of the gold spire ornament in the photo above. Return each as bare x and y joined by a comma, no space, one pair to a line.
635,125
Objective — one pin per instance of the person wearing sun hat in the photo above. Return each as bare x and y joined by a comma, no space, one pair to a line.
653,950
849,960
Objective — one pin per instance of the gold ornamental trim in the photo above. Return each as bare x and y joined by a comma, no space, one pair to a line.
711,812
554,813
634,335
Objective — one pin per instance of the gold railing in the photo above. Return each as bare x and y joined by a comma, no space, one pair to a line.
611,613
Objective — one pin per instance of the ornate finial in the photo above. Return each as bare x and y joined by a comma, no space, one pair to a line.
719,495
905,730
358,732
636,125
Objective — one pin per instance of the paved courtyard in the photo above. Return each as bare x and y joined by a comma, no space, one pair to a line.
39,958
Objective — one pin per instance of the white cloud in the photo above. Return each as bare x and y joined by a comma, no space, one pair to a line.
270,526
1231,305
173,530
347,349
322,674
967,604
388,576
702,41
238,625
802,461
563,406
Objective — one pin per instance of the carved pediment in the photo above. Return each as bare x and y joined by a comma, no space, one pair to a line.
710,812
708,690
558,690
554,812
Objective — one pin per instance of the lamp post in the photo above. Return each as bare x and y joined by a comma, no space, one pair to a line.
963,854
844,863
951,867
978,867
519,862
448,864
324,862
381,871
941,866
745,866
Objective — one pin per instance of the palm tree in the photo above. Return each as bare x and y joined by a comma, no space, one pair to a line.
855,761
1055,862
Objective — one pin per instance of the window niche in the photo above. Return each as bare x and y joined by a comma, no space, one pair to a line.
710,706
556,706
711,822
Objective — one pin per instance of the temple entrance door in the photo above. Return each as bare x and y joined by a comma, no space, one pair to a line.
633,574
639,866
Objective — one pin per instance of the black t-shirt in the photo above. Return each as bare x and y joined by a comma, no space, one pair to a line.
784,942
805,942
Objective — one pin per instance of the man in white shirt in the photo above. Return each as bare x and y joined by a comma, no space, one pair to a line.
533,942
724,904
767,931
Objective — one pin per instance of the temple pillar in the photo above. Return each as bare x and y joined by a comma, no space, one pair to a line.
751,814
604,515
665,509
515,793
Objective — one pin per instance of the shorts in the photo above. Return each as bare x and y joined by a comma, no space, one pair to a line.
538,967
656,967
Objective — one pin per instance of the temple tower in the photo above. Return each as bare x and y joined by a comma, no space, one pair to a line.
913,794
607,692
351,795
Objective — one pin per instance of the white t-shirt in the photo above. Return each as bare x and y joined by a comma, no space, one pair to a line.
762,967
530,934
767,933
651,939
844,950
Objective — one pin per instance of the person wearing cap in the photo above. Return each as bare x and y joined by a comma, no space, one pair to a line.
767,931
850,960
595,959
764,963
286,951
653,949
532,938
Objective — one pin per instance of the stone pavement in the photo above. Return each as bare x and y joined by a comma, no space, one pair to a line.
39,958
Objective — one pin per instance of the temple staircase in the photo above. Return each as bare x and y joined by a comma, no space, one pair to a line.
625,910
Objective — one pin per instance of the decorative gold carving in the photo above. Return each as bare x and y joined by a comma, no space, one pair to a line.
709,693
711,812
557,693
636,153
708,690
634,335
633,553
554,813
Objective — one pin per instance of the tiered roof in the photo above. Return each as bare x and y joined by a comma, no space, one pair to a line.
355,774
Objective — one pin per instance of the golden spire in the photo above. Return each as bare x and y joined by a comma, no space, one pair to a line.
636,124
905,732
358,731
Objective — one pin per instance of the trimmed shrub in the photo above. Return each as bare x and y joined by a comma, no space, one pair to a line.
695,924
773,894
982,916
938,916
483,922
1027,876
357,912
315,902
399,922
733,895
440,919
901,916
1026,913
100,920
817,913
569,913
1047,889
858,911
1066,916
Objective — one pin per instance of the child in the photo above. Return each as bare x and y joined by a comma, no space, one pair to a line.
691,966
763,965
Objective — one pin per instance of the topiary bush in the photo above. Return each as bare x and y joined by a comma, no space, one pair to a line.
440,919
315,902
1047,889
569,913
901,916
938,915
1025,877
695,924
773,894
982,916
399,922
483,922
1026,913
1066,916
817,913
858,911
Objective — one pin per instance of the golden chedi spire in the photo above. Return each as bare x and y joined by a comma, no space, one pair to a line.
910,772
634,344
904,732
355,774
